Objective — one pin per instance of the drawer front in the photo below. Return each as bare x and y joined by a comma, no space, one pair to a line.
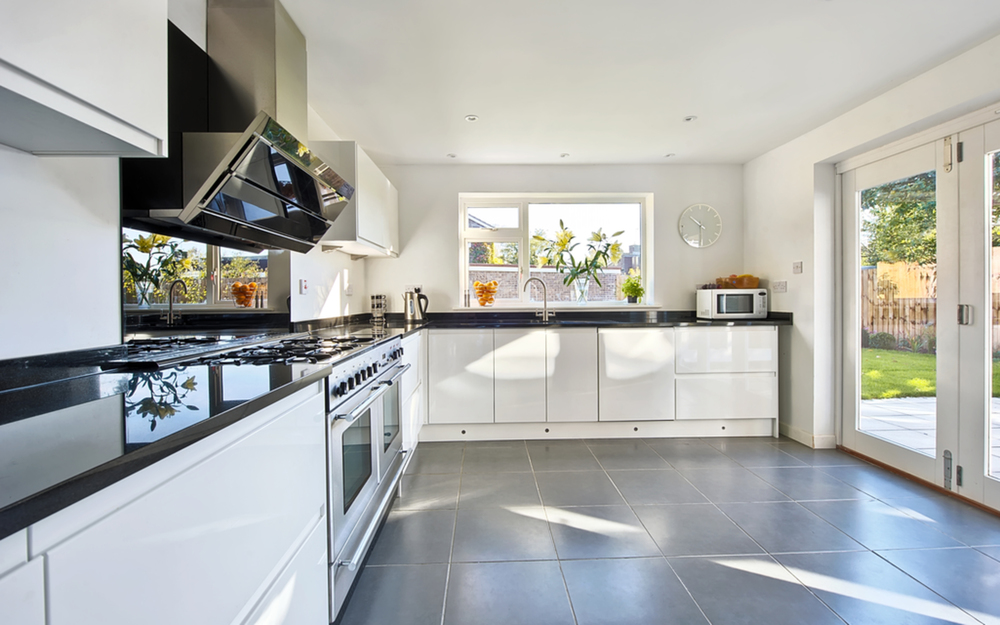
726,350
727,396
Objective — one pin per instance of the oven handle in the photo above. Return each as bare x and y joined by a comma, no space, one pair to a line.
402,369
359,555
376,393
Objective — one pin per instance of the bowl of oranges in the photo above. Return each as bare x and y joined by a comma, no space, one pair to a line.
243,293
486,292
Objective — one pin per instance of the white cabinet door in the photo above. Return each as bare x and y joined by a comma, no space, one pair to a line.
727,396
726,350
84,77
519,375
460,376
636,370
22,595
412,389
411,356
199,547
301,592
373,195
571,374
413,418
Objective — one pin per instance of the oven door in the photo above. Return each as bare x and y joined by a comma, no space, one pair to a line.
391,425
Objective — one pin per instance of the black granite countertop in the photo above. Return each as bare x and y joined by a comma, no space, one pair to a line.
571,318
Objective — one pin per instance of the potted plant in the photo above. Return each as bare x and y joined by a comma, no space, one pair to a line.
632,287
578,272
146,261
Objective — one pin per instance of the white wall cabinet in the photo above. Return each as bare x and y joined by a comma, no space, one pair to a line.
636,374
571,374
519,375
84,77
206,545
22,594
369,224
460,376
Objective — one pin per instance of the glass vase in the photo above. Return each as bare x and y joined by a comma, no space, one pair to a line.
143,293
580,287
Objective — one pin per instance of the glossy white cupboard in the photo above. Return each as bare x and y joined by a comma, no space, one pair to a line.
636,374
460,376
571,374
22,590
84,77
519,374
412,389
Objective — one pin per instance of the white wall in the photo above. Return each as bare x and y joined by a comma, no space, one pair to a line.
428,221
789,217
59,244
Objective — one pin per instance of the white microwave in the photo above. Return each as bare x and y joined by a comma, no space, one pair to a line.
732,304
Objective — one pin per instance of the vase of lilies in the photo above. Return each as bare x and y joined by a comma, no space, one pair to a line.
581,267
146,261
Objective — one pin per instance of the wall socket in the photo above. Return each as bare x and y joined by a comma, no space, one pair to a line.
781,286
303,287
797,266
349,290
412,288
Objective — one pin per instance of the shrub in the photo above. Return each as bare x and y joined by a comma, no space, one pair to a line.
865,335
882,340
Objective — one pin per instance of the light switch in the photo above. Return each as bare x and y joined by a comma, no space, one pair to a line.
303,287
797,266
780,286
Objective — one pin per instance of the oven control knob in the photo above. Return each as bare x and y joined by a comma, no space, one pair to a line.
375,367
350,382
357,378
368,369
342,387
363,374
400,350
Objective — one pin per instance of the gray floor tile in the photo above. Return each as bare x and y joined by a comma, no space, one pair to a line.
498,489
877,482
562,456
760,455
437,459
788,527
384,593
820,457
808,484
877,525
414,537
628,455
599,532
693,456
496,459
993,552
966,577
959,520
863,588
507,593
654,487
517,444
499,534
732,485
629,592
428,492
724,442
750,591
577,488
694,529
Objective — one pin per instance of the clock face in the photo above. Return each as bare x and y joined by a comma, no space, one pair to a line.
700,225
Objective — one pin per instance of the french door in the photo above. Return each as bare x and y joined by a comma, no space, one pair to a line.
921,252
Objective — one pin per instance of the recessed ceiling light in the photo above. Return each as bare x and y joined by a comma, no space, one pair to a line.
669,155
690,118
472,118
564,155
450,155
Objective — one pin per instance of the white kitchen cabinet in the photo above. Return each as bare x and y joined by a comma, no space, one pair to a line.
726,349
519,367
205,545
636,374
412,389
300,593
369,224
22,594
84,77
727,396
460,376
571,374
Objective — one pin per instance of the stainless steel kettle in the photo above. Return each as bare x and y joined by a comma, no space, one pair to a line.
414,306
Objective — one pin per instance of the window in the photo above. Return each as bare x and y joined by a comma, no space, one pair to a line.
209,273
507,239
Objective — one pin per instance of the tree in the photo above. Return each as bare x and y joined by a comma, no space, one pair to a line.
899,221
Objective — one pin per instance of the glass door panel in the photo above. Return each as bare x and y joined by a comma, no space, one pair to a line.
993,206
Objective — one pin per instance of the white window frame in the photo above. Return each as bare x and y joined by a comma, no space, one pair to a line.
523,234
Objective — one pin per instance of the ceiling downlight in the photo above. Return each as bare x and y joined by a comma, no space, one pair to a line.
472,118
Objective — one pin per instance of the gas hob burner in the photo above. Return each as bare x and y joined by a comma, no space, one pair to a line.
168,343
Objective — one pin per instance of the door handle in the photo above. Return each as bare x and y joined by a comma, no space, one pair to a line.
964,315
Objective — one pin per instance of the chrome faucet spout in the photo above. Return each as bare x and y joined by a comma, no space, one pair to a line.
170,301
545,299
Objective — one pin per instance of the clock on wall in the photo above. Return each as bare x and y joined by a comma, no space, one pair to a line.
700,225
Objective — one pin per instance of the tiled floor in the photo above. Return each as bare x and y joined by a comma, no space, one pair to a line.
672,531
911,422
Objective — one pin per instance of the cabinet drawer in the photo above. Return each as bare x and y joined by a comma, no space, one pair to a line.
727,396
726,350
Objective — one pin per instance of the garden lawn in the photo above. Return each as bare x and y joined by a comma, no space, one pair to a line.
888,373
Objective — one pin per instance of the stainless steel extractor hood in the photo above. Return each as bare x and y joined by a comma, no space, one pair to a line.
243,183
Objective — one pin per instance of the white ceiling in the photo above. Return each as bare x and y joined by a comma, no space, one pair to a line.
610,82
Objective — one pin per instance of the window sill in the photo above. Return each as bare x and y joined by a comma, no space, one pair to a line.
596,307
